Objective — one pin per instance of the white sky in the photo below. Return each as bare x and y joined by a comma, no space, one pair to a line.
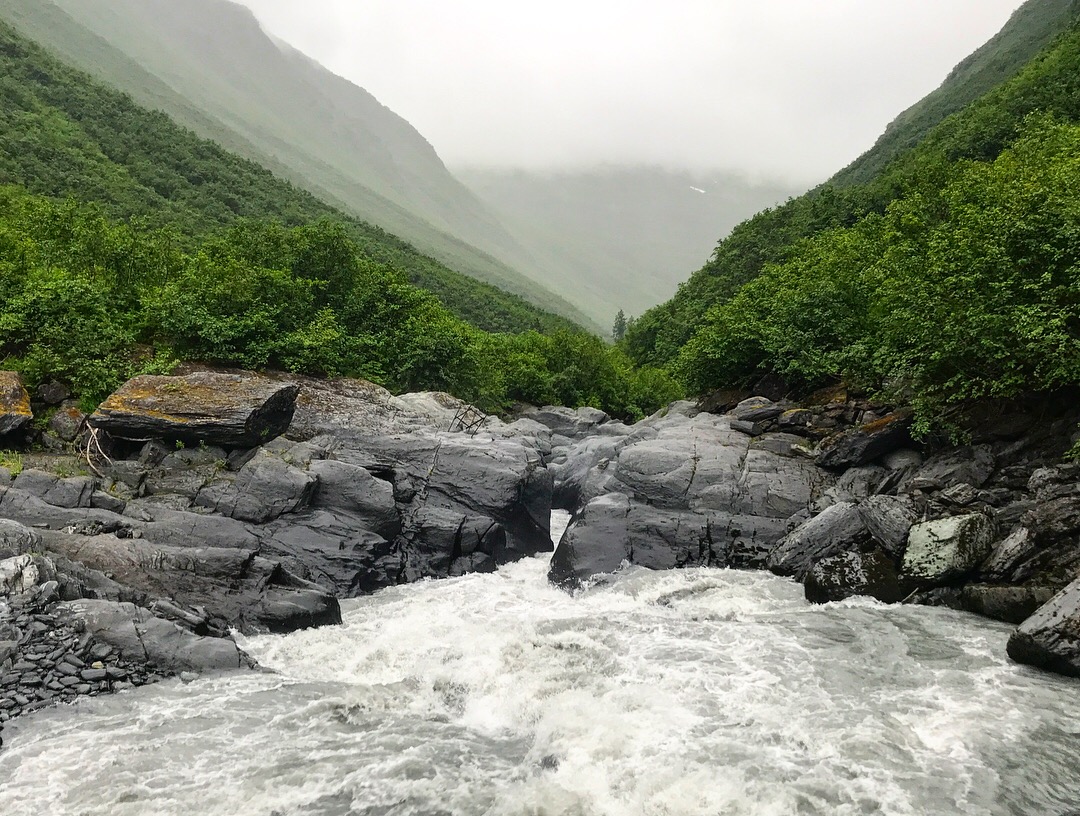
790,89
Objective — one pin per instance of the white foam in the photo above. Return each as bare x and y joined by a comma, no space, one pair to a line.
691,692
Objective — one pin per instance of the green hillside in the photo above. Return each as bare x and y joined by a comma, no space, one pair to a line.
951,275
62,134
209,65
1032,27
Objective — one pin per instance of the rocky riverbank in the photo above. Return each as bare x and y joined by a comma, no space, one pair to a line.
216,501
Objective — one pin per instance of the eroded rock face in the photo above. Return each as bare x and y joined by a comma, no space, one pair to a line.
230,410
680,489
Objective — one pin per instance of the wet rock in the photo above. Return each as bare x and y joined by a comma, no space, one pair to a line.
15,411
1050,638
52,393
866,443
230,410
945,549
844,575
1009,555
140,637
837,529
1011,604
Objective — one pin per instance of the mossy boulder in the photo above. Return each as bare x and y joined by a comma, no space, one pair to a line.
945,549
229,410
15,410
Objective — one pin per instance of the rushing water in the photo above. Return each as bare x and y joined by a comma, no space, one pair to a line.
693,692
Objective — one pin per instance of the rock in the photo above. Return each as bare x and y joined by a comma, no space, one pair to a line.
757,409
1008,555
949,548
867,442
837,529
351,489
24,572
230,410
960,494
611,530
67,493
795,418
1050,638
889,520
967,465
140,637
15,410
1011,604
854,573
67,423
52,393
16,539
264,489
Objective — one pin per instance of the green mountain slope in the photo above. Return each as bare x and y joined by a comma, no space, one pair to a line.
1031,28
209,65
619,237
63,134
952,274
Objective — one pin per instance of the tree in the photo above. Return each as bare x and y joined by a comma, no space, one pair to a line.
618,331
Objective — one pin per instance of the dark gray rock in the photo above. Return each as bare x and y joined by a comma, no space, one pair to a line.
67,423
757,409
52,393
16,539
140,637
264,489
1050,638
1011,604
1009,555
836,530
970,465
230,410
67,493
847,574
353,490
863,445
889,520
611,530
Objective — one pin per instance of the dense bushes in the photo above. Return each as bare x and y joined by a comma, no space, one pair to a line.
92,302
962,290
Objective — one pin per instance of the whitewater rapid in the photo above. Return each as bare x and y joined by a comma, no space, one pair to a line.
688,692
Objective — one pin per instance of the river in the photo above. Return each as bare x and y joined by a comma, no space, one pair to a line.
689,692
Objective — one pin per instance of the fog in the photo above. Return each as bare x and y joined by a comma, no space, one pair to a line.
782,89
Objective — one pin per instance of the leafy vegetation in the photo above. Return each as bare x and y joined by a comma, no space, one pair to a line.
92,302
61,134
950,276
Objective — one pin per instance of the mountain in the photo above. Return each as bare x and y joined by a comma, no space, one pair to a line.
63,134
950,275
211,67
616,238
1030,29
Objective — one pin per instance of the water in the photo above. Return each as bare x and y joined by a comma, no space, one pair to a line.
696,692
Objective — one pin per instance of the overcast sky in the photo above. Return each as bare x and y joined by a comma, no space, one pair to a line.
791,89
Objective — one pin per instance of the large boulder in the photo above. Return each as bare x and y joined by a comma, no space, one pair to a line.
866,443
855,573
15,410
1050,639
836,530
230,410
889,520
949,548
